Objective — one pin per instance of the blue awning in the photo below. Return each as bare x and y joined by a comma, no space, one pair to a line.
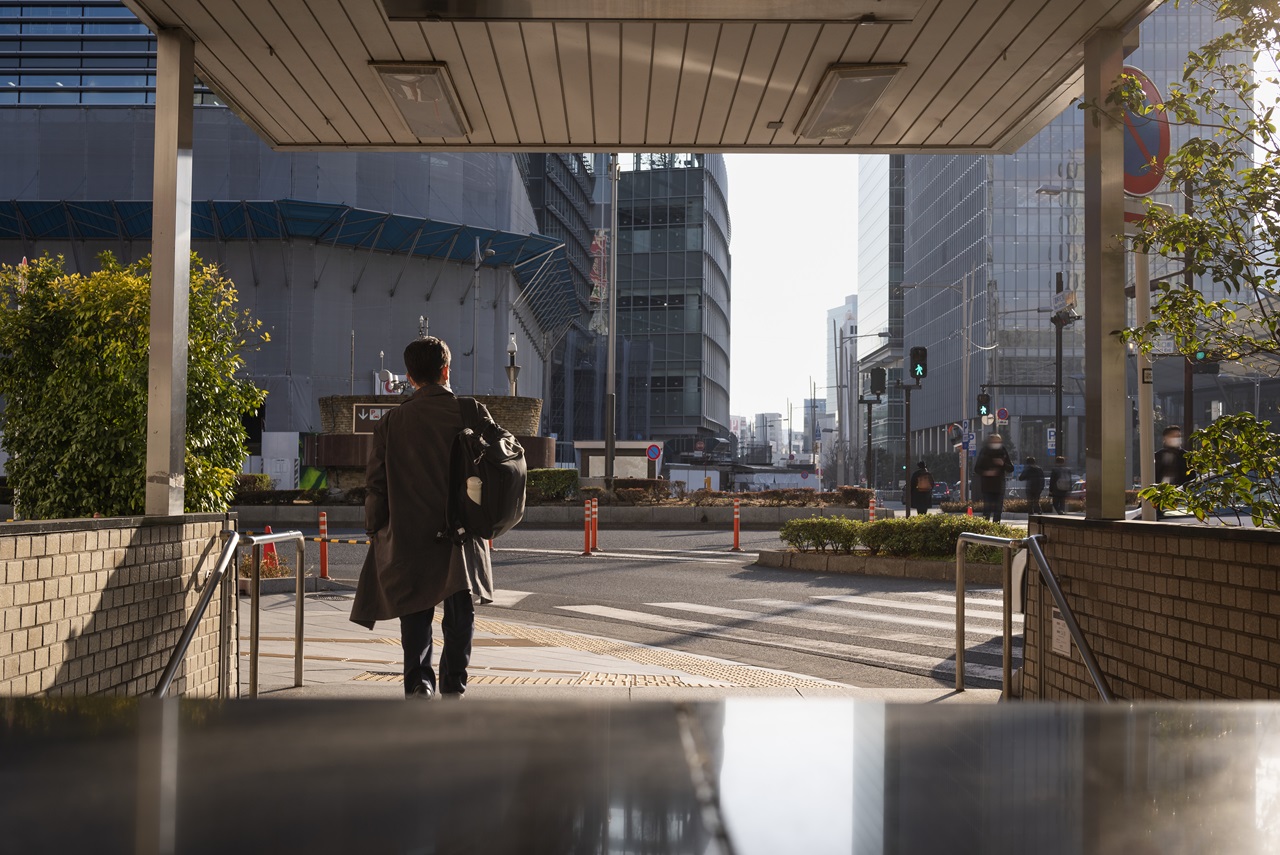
539,263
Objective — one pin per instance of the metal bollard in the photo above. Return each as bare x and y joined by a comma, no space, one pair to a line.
595,525
586,527
737,525
324,545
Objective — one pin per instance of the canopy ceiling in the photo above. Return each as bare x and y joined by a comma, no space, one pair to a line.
647,75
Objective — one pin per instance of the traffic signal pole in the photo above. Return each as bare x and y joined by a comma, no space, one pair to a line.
906,441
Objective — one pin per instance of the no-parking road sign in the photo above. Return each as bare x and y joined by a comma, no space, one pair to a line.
654,452
1146,141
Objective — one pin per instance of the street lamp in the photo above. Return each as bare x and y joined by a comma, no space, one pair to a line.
513,370
475,315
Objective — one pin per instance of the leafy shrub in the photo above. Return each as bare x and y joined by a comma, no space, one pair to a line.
551,485
822,534
932,536
270,566
73,373
656,488
854,497
252,482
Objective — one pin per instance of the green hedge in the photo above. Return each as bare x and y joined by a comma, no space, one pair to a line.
932,536
551,485
822,534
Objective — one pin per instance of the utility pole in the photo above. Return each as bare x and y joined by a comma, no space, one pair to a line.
610,382
907,389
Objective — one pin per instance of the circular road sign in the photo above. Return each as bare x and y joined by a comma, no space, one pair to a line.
1146,141
654,452
699,446
804,476
1002,413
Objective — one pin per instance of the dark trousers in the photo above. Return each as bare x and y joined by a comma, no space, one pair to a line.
457,625
1059,502
993,505
1033,503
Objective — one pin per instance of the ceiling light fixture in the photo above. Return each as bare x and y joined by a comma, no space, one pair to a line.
844,99
423,92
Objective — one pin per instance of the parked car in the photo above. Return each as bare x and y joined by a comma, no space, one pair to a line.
1077,489
941,492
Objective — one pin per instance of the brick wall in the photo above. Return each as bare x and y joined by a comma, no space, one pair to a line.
518,415
96,606
1171,611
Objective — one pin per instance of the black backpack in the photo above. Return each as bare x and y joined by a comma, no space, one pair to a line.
486,451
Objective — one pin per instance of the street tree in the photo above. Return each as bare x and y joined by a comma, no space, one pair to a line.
1230,169
73,374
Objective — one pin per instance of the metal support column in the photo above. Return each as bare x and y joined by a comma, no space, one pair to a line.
611,369
1146,402
1106,400
170,274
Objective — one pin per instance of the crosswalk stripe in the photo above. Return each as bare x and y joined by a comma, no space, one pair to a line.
970,628
909,662
969,614
940,597
509,599
937,642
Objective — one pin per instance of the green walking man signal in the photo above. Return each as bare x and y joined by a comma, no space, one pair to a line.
984,404
919,362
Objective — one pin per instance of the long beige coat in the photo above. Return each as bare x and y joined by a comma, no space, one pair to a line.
407,569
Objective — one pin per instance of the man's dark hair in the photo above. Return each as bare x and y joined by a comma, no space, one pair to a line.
1059,459
1172,429
1031,461
425,359
920,465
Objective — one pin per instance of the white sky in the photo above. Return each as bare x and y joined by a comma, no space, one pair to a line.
794,247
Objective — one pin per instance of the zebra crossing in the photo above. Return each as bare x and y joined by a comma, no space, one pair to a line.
913,632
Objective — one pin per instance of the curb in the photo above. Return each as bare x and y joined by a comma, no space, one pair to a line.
289,584
868,565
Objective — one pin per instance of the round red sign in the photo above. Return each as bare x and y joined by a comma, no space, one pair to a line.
1146,141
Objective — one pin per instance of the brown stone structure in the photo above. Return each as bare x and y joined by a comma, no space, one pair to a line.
93,607
343,453
1171,611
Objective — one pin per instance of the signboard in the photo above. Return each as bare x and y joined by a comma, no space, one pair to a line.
699,446
965,425
1051,440
653,452
1146,141
1002,414
988,420
1061,637
1062,301
804,476
364,417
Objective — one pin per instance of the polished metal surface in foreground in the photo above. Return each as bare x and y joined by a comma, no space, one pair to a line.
745,776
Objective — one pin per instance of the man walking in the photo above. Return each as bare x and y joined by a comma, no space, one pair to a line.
409,570
1171,461
992,465
1033,476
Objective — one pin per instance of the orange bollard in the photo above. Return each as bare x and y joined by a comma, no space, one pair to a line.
873,509
270,548
595,525
324,545
737,526
970,510
586,527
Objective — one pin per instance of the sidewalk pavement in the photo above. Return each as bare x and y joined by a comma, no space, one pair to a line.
519,660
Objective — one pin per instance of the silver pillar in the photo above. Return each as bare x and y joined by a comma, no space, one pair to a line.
610,382
170,274
1106,400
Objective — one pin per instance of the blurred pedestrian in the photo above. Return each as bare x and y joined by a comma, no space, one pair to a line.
992,465
1033,476
921,490
1171,462
1059,484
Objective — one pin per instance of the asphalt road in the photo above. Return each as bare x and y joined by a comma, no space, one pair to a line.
685,591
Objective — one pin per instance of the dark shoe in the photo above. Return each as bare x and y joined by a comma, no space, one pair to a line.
422,693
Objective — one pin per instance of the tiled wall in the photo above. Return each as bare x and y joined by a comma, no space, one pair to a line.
1171,611
96,606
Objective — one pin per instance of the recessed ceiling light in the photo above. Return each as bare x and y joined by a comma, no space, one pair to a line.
844,99
423,93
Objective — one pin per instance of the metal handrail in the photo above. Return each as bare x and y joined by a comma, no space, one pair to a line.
256,542
232,539
1009,545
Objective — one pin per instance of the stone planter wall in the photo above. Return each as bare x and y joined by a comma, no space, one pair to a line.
876,565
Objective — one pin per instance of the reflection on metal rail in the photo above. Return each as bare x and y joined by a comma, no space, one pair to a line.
256,542
1008,546
232,540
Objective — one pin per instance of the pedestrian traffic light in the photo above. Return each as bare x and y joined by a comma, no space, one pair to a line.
879,381
1204,362
919,362
984,404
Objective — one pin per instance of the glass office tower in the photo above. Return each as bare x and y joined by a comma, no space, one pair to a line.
1014,223
674,292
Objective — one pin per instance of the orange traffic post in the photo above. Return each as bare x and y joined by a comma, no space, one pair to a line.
324,545
595,525
737,526
873,509
270,548
586,527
